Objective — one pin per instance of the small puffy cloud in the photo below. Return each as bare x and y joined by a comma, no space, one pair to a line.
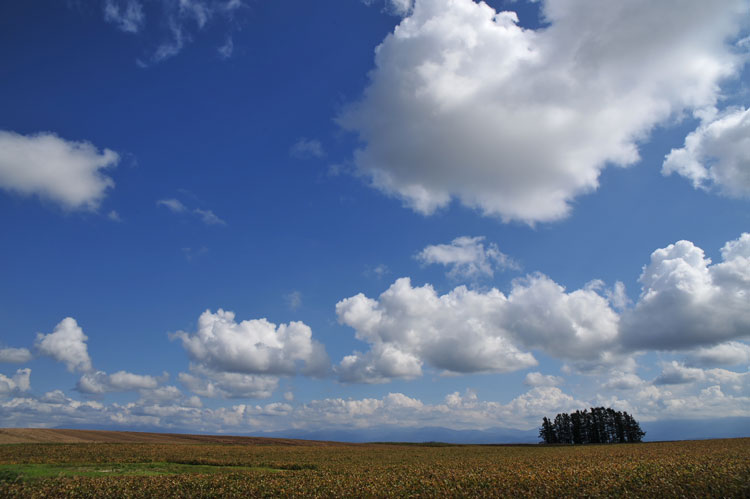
464,103
716,154
688,302
307,149
20,382
379,271
167,393
731,353
122,381
214,384
66,172
15,355
66,344
538,379
623,381
675,373
253,346
467,257
380,365
127,15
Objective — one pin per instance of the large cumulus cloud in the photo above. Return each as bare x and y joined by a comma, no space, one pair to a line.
469,331
465,103
686,301
686,304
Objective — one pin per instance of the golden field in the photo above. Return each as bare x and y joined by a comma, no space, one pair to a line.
115,464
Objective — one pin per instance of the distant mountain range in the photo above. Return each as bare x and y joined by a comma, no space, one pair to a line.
655,431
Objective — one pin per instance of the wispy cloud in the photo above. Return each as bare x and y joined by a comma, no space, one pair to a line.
208,217
127,15
173,205
179,22
306,149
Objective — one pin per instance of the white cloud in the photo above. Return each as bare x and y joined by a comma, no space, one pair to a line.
127,15
173,205
100,382
464,103
399,8
731,353
468,331
538,379
225,51
254,346
688,302
179,22
15,355
675,373
458,332
579,325
294,300
467,257
66,172
623,381
716,154
208,217
66,344
215,384
307,149
20,382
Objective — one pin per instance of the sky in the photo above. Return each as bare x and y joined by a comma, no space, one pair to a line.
250,216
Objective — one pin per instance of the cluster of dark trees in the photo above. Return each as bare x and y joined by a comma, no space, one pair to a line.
598,426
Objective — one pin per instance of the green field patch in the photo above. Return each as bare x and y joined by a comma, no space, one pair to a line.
24,472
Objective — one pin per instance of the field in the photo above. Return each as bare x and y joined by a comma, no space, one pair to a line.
108,464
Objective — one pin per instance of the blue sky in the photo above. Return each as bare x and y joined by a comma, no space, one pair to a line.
253,215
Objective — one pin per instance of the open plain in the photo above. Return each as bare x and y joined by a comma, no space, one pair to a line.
55,463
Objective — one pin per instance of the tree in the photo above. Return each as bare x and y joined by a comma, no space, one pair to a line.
547,432
600,425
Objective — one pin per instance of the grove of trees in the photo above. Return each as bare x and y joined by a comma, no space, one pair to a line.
597,426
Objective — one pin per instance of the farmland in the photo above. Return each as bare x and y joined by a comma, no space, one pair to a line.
146,465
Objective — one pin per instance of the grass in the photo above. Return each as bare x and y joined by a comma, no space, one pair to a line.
26,472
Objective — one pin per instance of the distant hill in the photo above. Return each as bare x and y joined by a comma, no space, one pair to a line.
416,435
696,429
655,431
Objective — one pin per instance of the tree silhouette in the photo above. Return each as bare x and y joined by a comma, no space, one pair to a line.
598,426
